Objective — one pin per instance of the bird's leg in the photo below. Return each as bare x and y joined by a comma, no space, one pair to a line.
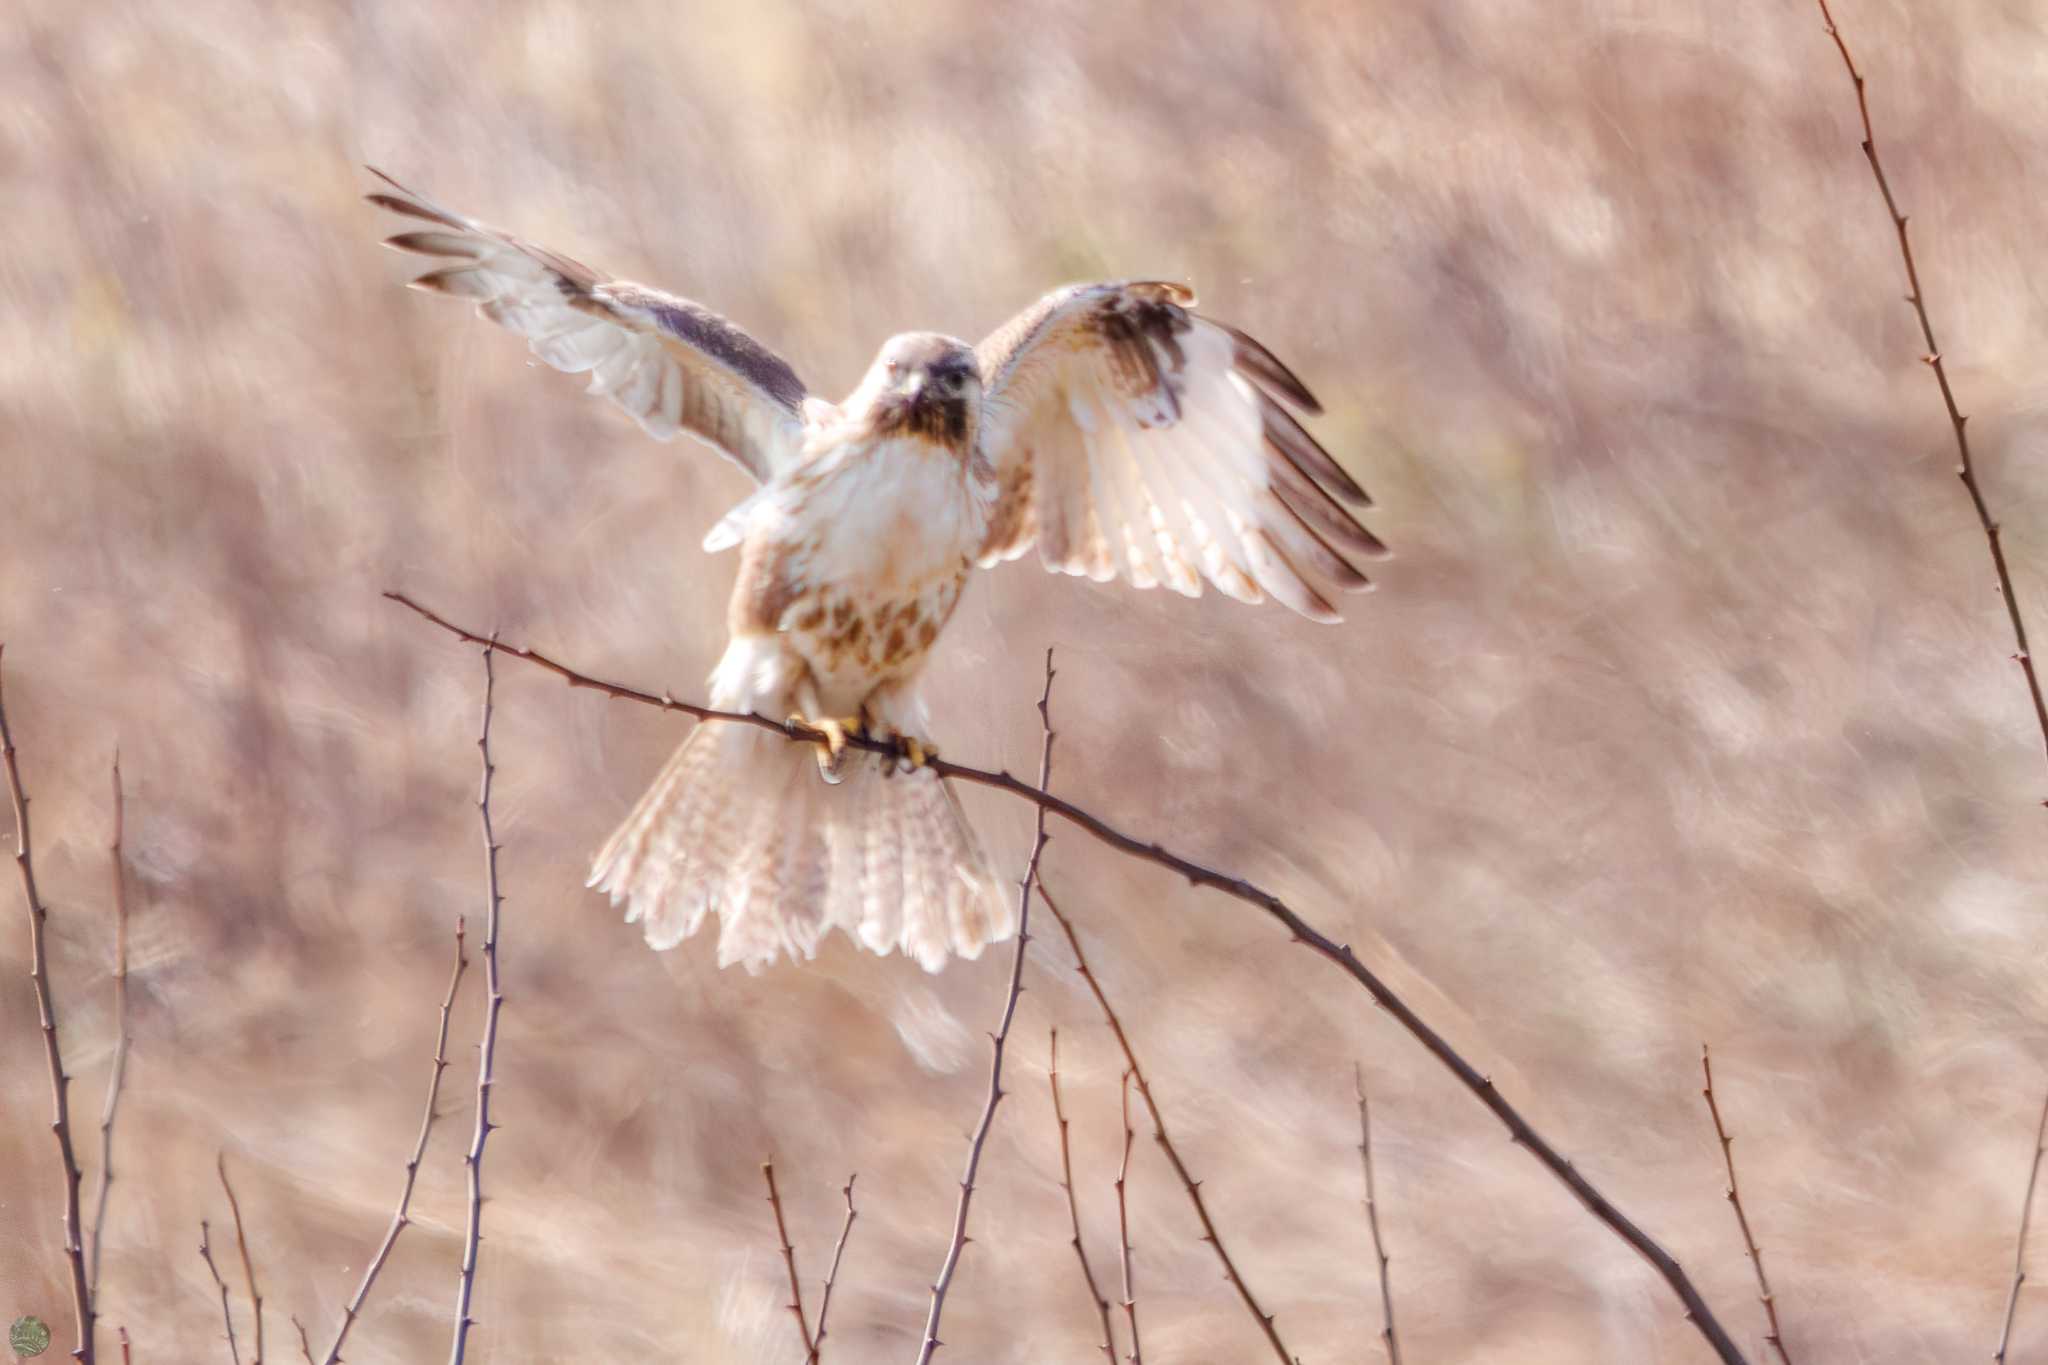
911,753
832,750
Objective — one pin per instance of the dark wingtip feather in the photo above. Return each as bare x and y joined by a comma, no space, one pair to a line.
1292,440
1254,359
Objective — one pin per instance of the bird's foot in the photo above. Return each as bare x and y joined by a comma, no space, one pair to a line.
911,753
831,751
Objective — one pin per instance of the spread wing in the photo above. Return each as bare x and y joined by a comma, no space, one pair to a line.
1134,438
671,364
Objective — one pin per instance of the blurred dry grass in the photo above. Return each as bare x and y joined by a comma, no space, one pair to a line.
1685,712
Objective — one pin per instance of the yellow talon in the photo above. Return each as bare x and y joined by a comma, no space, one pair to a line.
833,749
917,753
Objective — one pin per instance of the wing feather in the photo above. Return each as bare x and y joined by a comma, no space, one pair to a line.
1134,438
670,364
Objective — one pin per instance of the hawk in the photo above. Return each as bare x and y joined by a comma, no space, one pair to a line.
1110,426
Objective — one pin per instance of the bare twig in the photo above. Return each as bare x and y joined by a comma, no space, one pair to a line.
248,1266
1123,1225
305,1344
401,1219
1095,1294
46,1013
1966,468
796,1293
832,1275
1188,1182
2019,1255
120,1063
227,1318
996,1039
124,1344
487,1049
1482,1088
1733,1194
1372,1218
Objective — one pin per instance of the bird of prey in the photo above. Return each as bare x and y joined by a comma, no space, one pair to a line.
1109,426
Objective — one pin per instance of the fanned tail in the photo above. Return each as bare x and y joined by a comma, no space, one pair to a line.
740,823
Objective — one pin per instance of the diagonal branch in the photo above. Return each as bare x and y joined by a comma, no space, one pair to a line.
46,1013
1734,1196
1136,1075
1095,1294
1482,1088
832,1275
2019,1255
227,1318
487,1049
1966,468
1372,1217
402,1218
120,1064
996,1039
796,1293
248,1266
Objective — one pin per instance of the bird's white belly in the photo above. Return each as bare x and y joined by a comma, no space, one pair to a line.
871,553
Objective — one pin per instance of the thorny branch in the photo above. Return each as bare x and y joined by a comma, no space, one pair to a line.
1095,1294
1136,1073
487,1049
46,1012
997,1039
1733,1194
1519,1130
305,1343
1372,1217
1966,468
2019,1255
401,1219
832,1275
796,1293
120,1063
227,1318
1123,1226
248,1266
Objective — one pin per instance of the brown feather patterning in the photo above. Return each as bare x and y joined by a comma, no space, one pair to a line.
673,365
1134,438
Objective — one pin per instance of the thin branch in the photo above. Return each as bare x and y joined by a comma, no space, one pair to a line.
124,1344
996,1039
796,1293
1482,1088
1372,1217
120,1064
1733,1194
402,1218
1095,1294
487,1050
242,1242
305,1344
1188,1182
1966,468
227,1318
832,1275
2019,1255
1123,1225
46,1013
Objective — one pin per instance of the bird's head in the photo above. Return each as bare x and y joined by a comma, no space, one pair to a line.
924,384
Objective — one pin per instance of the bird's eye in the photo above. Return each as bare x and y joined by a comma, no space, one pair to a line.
955,382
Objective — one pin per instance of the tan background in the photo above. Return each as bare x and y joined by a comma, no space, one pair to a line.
1685,712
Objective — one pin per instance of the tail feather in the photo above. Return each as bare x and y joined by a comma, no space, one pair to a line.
740,823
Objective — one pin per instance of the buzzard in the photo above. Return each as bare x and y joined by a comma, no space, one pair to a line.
1110,426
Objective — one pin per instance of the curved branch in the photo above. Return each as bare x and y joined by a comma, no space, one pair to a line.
120,1064
1966,468
487,1049
997,1040
46,1013
402,1219
1095,1295
1519,1129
